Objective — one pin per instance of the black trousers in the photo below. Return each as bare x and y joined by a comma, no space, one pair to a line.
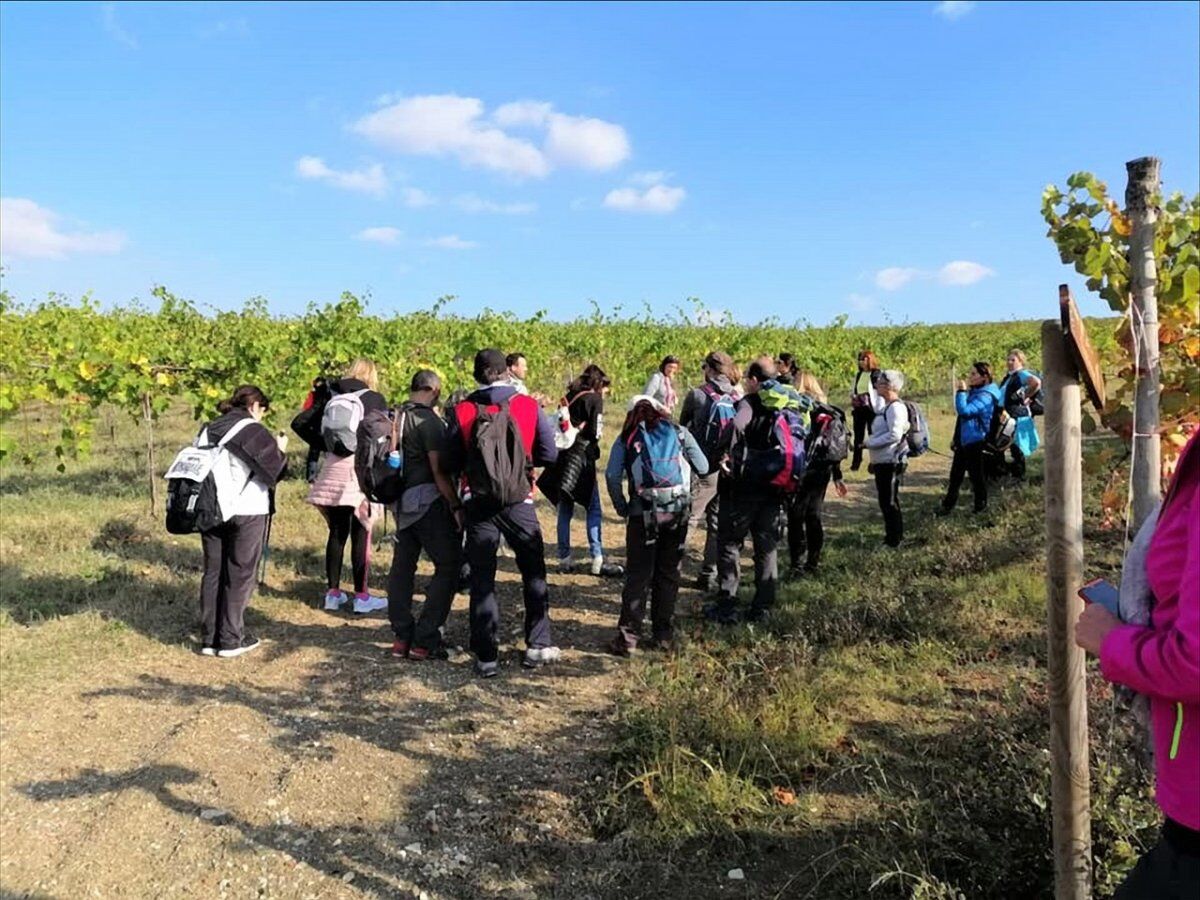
861,417
888,478
758,514
653,569
1018,462
436,534
806,533
518,524
968,461
1170,870
343,524
231,554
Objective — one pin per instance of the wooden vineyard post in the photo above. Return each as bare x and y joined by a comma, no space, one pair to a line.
148,415
1069,777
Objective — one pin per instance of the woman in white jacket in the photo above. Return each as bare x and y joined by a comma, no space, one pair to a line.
889,452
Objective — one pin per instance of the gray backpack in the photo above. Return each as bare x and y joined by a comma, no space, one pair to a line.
340,421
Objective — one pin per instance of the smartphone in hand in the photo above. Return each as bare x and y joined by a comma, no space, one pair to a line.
1103,592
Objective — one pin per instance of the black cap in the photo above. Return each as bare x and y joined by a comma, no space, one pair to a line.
490,365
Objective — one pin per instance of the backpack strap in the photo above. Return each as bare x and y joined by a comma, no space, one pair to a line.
229,435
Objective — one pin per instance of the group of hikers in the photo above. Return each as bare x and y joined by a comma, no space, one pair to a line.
742,454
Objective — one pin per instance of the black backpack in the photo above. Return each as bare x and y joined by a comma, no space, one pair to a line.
829,439
307,423
380,434
496,468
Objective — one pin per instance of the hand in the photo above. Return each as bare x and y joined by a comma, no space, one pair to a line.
281,441
1093,626
840,487
962,385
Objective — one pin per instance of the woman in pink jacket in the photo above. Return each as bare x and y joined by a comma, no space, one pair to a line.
1162,661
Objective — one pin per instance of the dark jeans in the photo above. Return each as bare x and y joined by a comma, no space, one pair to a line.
806,533
706,504
518,524
967,461
655,569
1169,871
861,417
343,524
231,554
888,478
756,513
436,534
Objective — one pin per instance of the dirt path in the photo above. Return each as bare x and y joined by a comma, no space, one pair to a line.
320,767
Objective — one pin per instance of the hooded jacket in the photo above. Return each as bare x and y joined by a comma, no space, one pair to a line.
975,408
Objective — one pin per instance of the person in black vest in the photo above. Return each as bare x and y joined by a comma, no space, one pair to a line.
748,507
863,403
232,549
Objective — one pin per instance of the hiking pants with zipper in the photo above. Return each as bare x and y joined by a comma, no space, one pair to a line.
888,478
518,525
343,523
706,504
653,569
758,514
231,554
968,461
806,532
436,534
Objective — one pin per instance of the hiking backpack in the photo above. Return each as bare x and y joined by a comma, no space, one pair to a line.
197,479
1001,430
1014,398
565,433
654,458
710,429
828,437
781,463
307,423
917,436
496,468
340,420
379,435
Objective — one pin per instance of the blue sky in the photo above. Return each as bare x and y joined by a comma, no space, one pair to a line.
885,160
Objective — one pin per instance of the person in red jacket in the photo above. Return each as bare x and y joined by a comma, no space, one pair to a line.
517,523
1162,661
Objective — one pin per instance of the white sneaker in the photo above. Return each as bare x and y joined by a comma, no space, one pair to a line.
600,567
535,657
335,600
369,604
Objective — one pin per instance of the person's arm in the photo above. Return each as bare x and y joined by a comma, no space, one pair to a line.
614,477
1164,662
654,386
965,405
688,410
693,454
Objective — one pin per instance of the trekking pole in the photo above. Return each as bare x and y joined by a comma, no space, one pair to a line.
266,553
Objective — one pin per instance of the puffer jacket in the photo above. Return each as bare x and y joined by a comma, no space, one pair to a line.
975,408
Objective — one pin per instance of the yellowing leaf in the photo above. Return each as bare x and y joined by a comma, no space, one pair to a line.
164,378
86,370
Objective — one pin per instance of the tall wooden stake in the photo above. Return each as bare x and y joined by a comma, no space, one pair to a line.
1146,486
1069,780
148,415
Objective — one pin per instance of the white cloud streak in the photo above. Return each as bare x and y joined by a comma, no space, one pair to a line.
451,242
34,232
370,180
894,277
458,127
113,28
415,198
953,9
469,203
958,273
648,195
383,234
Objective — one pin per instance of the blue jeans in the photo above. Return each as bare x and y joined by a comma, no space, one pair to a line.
566,510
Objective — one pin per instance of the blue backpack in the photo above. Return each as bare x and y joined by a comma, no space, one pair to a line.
654,458
710,429
779,461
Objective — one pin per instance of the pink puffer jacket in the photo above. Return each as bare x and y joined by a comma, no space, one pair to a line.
337,485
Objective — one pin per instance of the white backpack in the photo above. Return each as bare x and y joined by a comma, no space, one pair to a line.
204,481
340,421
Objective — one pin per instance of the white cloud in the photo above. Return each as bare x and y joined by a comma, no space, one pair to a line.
451,242
958,273
108,18
450,125
654,197
469,203
894,278
953,9
646,179
370,180
415,198
963,272
31,231
383,234
860,302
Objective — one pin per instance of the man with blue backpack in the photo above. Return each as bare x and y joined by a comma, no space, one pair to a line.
765,458
707,413
656,458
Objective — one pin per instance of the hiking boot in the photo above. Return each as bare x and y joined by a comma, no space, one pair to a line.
365,604
707,582
756,614
420,654
723,612
248,643
335,600
602,569
487,669
566,565
618,646
661,644
400,649
536,657
943,511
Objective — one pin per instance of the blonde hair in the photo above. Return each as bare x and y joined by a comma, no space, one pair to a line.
1019,354
364,370
807,384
